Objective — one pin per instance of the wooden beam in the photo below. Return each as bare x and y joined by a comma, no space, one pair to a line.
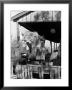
20,15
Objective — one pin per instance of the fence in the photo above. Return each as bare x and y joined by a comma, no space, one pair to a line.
37,71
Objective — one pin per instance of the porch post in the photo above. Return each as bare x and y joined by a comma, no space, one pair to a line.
18,34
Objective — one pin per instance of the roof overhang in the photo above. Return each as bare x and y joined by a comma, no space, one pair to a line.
45,29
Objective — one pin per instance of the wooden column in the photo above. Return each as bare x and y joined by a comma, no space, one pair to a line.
51,46
18,34
52,15
54,46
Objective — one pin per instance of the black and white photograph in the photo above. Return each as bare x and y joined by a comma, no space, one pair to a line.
35,39
35,44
